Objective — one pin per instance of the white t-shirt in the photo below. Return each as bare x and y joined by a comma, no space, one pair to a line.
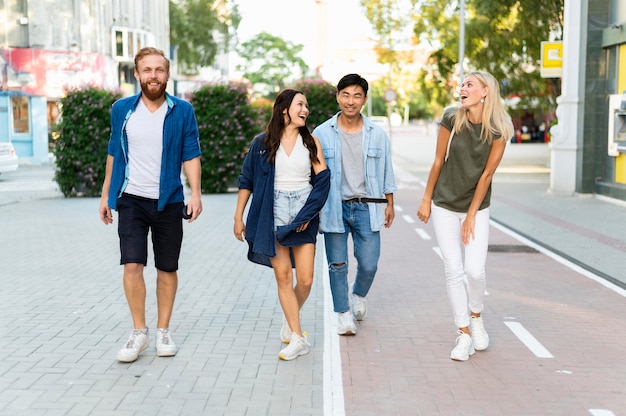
144,130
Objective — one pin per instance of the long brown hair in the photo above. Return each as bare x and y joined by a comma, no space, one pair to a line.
276,126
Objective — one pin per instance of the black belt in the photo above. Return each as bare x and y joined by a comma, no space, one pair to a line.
375,200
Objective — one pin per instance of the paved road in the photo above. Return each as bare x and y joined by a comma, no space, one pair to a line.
556,329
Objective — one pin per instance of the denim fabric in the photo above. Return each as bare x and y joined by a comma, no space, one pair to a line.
356,221
181,142
287,204
379,176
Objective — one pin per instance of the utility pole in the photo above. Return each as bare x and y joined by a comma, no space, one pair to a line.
462,42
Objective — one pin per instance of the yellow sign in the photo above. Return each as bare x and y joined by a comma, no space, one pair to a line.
551,59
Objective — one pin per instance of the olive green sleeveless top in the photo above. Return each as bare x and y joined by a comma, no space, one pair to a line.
460,173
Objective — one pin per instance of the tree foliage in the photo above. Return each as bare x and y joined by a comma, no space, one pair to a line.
82,139
503,37
198,29
227,124
270,63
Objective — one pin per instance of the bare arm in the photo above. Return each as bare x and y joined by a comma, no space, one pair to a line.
239,228
105,211
443,136
193,172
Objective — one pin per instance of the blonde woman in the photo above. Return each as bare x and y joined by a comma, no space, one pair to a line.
470,144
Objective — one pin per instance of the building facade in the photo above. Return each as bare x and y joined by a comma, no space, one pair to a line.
588,148
48,46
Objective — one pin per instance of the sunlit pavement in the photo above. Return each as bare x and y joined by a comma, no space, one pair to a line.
556,329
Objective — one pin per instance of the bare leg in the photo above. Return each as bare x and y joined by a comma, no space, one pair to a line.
286,293
135,290
167,284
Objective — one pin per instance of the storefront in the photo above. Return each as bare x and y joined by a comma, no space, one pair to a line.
32,83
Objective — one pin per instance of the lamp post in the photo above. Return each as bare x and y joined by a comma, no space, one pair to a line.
462,41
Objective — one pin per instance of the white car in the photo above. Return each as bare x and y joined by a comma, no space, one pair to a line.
8,157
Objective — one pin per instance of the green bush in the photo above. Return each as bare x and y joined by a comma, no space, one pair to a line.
82,139
227,123
321,96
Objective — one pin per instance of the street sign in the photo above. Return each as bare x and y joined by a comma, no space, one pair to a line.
551,59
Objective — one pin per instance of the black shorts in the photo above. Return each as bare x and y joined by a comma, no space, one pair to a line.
137,216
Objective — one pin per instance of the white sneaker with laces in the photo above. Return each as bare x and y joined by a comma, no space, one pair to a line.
285,332
164,345
137,342
464,347
345,324
298,345
358,305
479,334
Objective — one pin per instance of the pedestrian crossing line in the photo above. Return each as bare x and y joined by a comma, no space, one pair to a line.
529,340
422,233
408,218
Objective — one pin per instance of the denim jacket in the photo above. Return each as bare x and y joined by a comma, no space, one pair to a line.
180,143
257,175
379,176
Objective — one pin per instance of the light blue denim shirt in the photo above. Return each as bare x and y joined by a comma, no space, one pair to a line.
379,176
181,142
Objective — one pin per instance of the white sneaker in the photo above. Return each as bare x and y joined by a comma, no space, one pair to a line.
479,334
358,305
464,347
285,331
345,324
137,342
164,345
298,345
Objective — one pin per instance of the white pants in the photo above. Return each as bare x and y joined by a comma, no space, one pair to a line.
465,283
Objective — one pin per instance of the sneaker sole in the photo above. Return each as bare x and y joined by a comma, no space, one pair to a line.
285,358
166,353
465,358
130,359
348,332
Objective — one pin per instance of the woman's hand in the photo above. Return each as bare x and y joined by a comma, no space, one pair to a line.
467,229
239,229
423,212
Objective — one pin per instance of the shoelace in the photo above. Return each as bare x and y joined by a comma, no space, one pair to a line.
165,337
133,339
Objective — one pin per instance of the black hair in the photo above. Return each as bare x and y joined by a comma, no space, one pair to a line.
352,79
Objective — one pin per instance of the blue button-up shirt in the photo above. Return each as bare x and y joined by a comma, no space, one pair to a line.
181,142
379,176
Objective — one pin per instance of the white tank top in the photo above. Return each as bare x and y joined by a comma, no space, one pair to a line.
293,172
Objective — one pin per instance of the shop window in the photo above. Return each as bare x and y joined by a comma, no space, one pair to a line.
21,113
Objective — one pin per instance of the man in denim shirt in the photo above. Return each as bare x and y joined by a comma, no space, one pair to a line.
153,136
360,201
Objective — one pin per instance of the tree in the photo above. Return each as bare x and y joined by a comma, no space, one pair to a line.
503,37
198,29
270,63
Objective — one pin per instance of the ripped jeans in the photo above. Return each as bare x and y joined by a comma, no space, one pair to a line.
356,221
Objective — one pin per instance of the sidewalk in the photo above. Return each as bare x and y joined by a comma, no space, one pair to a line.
65,317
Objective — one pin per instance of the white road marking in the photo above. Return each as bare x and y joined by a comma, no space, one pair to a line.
601,412
530,341
408,218
334,404
422,233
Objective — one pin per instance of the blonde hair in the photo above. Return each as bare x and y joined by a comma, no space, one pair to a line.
496,122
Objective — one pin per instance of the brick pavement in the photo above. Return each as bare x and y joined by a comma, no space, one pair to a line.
65,316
